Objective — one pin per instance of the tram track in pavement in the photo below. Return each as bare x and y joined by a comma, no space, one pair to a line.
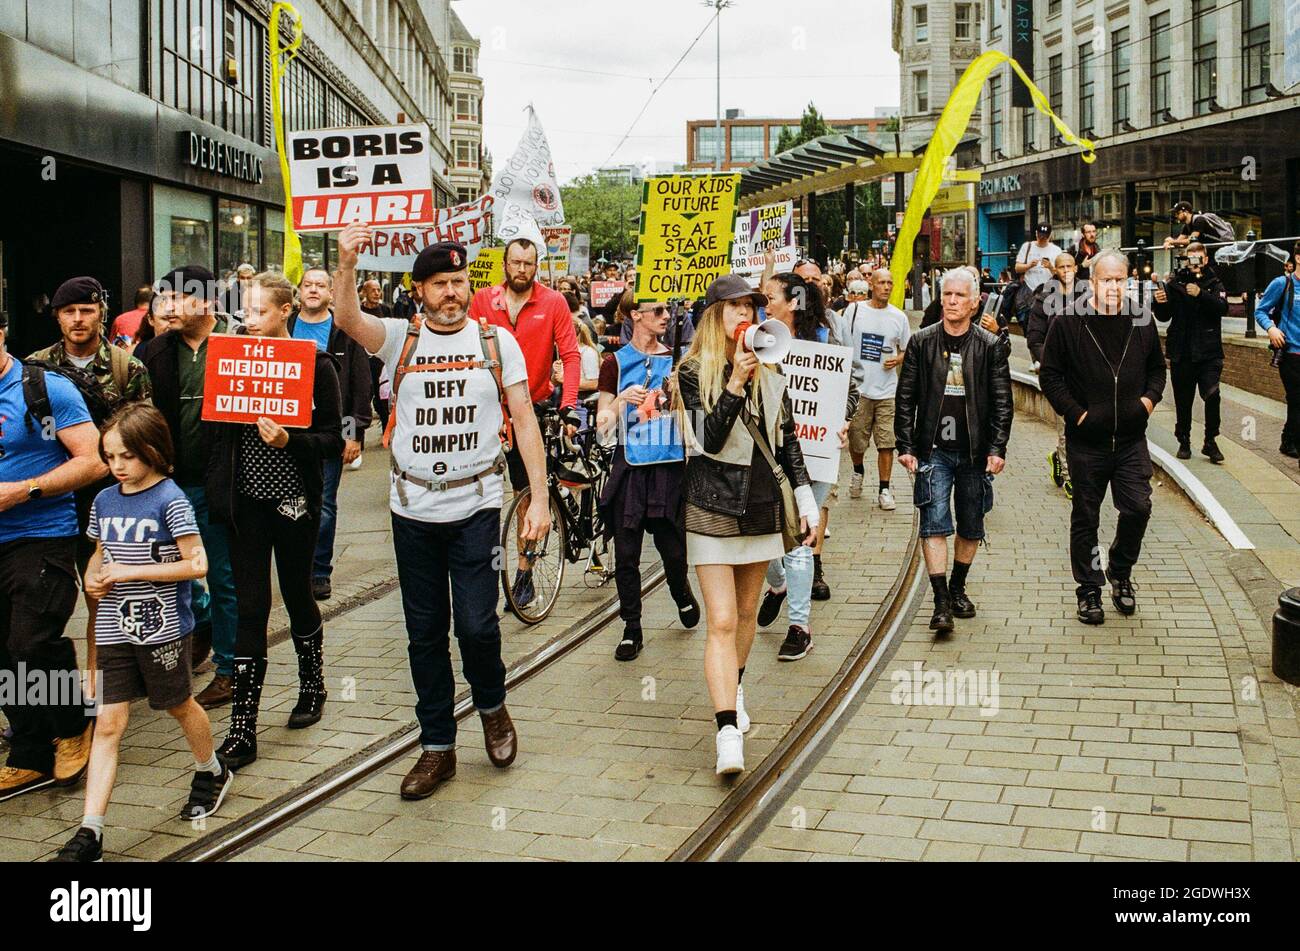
726,830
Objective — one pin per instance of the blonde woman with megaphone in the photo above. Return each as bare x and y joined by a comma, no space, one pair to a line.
742,447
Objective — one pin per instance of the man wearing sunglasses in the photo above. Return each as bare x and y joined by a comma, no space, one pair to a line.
1278,315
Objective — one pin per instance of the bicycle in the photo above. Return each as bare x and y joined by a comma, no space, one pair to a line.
576,472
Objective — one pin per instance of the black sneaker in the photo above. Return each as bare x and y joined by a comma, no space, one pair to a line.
1211,451
962,606
320,589
770,609
797,644
1184,449
1289,449
1090,611
941,620
85,846
207,793
1121,595
523,591
629,647
689,613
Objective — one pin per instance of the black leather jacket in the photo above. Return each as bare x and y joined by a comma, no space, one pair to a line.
989,403
719,486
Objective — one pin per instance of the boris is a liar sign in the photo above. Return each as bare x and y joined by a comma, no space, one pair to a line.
378,175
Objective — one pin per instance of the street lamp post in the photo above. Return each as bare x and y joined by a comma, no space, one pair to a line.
718,6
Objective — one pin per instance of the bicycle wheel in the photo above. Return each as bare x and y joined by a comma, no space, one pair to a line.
531,595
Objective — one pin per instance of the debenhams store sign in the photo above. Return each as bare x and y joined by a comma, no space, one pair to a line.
229,161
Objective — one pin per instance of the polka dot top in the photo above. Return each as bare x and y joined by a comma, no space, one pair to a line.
266,472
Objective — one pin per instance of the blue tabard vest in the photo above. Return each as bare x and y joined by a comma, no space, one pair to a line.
657,440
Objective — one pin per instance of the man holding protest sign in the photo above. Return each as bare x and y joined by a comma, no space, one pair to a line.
447,489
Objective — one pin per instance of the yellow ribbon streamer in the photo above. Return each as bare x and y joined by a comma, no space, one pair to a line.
280,57
947,133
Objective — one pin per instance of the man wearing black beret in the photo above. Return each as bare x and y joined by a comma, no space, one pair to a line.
444,430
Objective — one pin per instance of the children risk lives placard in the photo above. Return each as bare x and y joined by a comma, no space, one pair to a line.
817,376
249,377
377,175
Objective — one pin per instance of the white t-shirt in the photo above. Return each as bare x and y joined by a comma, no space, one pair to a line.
1037,275
875,334
448,421
590,362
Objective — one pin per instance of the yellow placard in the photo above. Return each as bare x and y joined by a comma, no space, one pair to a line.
947,133
687,226
280,56
487,269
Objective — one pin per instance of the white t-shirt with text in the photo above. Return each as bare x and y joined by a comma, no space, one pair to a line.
448,421
875,334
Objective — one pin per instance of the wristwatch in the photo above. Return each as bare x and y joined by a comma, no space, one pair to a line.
33,490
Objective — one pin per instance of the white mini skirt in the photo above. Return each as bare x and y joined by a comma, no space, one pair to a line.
733,550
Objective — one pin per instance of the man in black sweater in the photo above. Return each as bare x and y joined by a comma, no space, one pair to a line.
1103,371
1195,303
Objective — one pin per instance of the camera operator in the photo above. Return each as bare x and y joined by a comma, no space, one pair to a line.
1194,302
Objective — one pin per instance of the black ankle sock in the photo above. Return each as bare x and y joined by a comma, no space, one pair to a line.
740,675
958,580
939,583
860,469
725,718
884,484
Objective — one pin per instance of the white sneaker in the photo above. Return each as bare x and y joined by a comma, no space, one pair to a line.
356,463
742,718
855,486
887,500
731,751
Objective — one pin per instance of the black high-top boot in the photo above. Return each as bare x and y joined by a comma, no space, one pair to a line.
311,680
240,746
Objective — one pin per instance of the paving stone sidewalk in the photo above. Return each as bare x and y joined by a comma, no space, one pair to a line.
1160,736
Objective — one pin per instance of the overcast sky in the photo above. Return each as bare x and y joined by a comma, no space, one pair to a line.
588,68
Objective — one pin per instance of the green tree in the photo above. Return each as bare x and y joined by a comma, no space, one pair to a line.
608,211
812,125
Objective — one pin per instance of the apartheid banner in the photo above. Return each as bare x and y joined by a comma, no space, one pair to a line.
558,241
377,175
602,292
396,249
817,376
763,229
686,233
246,377
487,268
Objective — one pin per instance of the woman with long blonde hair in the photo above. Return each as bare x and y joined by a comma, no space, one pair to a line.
729,402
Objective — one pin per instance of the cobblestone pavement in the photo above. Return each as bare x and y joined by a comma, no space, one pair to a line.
616,759
1160,736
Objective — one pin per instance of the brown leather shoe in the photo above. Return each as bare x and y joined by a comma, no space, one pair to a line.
499,737
72,755
217,693
429,771
15,782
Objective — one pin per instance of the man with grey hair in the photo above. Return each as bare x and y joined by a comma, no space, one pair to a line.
1104,372
953,436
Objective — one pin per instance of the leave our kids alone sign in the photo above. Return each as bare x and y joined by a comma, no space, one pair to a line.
246,378
378,176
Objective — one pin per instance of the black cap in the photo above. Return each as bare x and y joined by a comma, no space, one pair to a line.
78,290
732,287
1043,228
439,259
193,280
1183,206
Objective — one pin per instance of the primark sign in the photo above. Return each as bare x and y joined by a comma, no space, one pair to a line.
1001,185
220,158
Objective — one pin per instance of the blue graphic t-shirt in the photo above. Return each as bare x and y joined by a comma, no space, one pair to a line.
318,333
27,452
141,529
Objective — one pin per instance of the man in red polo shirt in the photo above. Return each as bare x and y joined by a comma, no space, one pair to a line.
540,321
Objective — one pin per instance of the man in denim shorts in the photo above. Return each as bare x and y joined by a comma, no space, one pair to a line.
951,426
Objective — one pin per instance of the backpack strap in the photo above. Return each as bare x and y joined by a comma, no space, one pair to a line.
36,395
487,338
120,361
408,354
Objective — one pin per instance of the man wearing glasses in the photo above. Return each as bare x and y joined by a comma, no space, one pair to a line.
538,317
1104,372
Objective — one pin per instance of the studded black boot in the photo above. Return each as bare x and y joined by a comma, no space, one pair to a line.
311,680
240,746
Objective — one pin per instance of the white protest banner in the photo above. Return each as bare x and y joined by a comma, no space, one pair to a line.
817,376
396,249
580,254
767,228
378,175
527,195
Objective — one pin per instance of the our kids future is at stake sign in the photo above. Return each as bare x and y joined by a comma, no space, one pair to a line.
686,234
378,176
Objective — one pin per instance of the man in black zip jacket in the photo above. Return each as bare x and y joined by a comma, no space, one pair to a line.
1195,303
1103,371
952,420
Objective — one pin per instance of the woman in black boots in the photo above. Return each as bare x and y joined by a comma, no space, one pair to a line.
265,482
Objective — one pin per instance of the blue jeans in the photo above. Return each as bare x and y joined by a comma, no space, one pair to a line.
946,481
448,572
323,563
222,607
794,572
